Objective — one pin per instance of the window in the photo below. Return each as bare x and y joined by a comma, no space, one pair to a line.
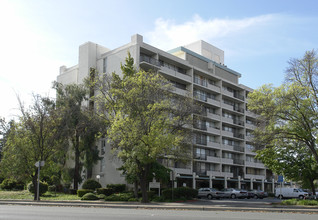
104,65
102,164
200,80
103,147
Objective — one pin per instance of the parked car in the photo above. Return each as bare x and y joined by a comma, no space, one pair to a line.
234,193
290,193
210,193
257,194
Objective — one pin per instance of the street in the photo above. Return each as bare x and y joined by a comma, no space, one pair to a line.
17,212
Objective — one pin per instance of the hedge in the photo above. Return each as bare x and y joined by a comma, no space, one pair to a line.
105,191
89,196
91,184
117,188
82,192
43,187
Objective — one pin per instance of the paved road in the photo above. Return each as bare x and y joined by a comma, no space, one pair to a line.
16,212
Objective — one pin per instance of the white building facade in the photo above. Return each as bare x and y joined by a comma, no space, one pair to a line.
222,149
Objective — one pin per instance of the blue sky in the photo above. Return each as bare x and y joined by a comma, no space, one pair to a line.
258,37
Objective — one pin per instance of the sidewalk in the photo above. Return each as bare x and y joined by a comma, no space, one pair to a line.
192,205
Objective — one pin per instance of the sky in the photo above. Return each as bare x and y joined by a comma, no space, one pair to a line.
258,37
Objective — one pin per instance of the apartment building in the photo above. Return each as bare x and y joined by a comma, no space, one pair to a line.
222,149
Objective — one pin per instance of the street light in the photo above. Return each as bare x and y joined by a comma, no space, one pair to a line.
98,177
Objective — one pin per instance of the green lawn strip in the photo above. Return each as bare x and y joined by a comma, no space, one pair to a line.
26,195
300,202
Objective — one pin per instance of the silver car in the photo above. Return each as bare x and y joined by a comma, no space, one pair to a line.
210,193
234,193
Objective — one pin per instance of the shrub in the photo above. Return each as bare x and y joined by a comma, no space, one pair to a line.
43,187
91,184
52,188
183,193
117,188
82,192
89,196
119,197
19,186
8,184
101,196
105,191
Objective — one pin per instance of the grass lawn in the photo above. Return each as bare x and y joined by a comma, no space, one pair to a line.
26,195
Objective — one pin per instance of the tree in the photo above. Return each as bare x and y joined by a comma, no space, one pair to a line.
35,137
81,127
145,120
288,114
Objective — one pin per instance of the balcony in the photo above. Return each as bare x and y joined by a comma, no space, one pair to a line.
227,174
227,120
214,88
214,102
227,106
250,126
227,133
182,170
253,176
175,73
213,159
214,145
214,130
181,92
214,173
213,116
238,162
255,165
227,161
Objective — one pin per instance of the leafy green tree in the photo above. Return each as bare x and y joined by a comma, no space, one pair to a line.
145,120
35,137
288,115
81,127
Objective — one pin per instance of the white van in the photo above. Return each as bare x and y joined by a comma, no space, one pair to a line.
290,193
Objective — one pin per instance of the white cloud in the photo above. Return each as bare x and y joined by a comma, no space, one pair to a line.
167,34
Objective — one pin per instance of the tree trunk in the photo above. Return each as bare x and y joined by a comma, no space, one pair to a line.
312,187
143,183
77,161
136,189
35,181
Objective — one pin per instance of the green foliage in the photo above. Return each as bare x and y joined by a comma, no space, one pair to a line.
287,126
119,197
300,202
52,188
180,193
101,196
89,196
8,184
43,187
82,192
117,188
145,120
105,191
80,127
91,184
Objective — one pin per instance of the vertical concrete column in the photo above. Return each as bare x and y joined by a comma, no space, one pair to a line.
239,182
210,181
251,183
273,185
193,181
225,182
263,185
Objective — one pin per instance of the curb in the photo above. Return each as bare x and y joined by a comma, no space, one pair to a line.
171,206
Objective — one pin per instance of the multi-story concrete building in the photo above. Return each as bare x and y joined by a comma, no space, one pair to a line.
222,149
